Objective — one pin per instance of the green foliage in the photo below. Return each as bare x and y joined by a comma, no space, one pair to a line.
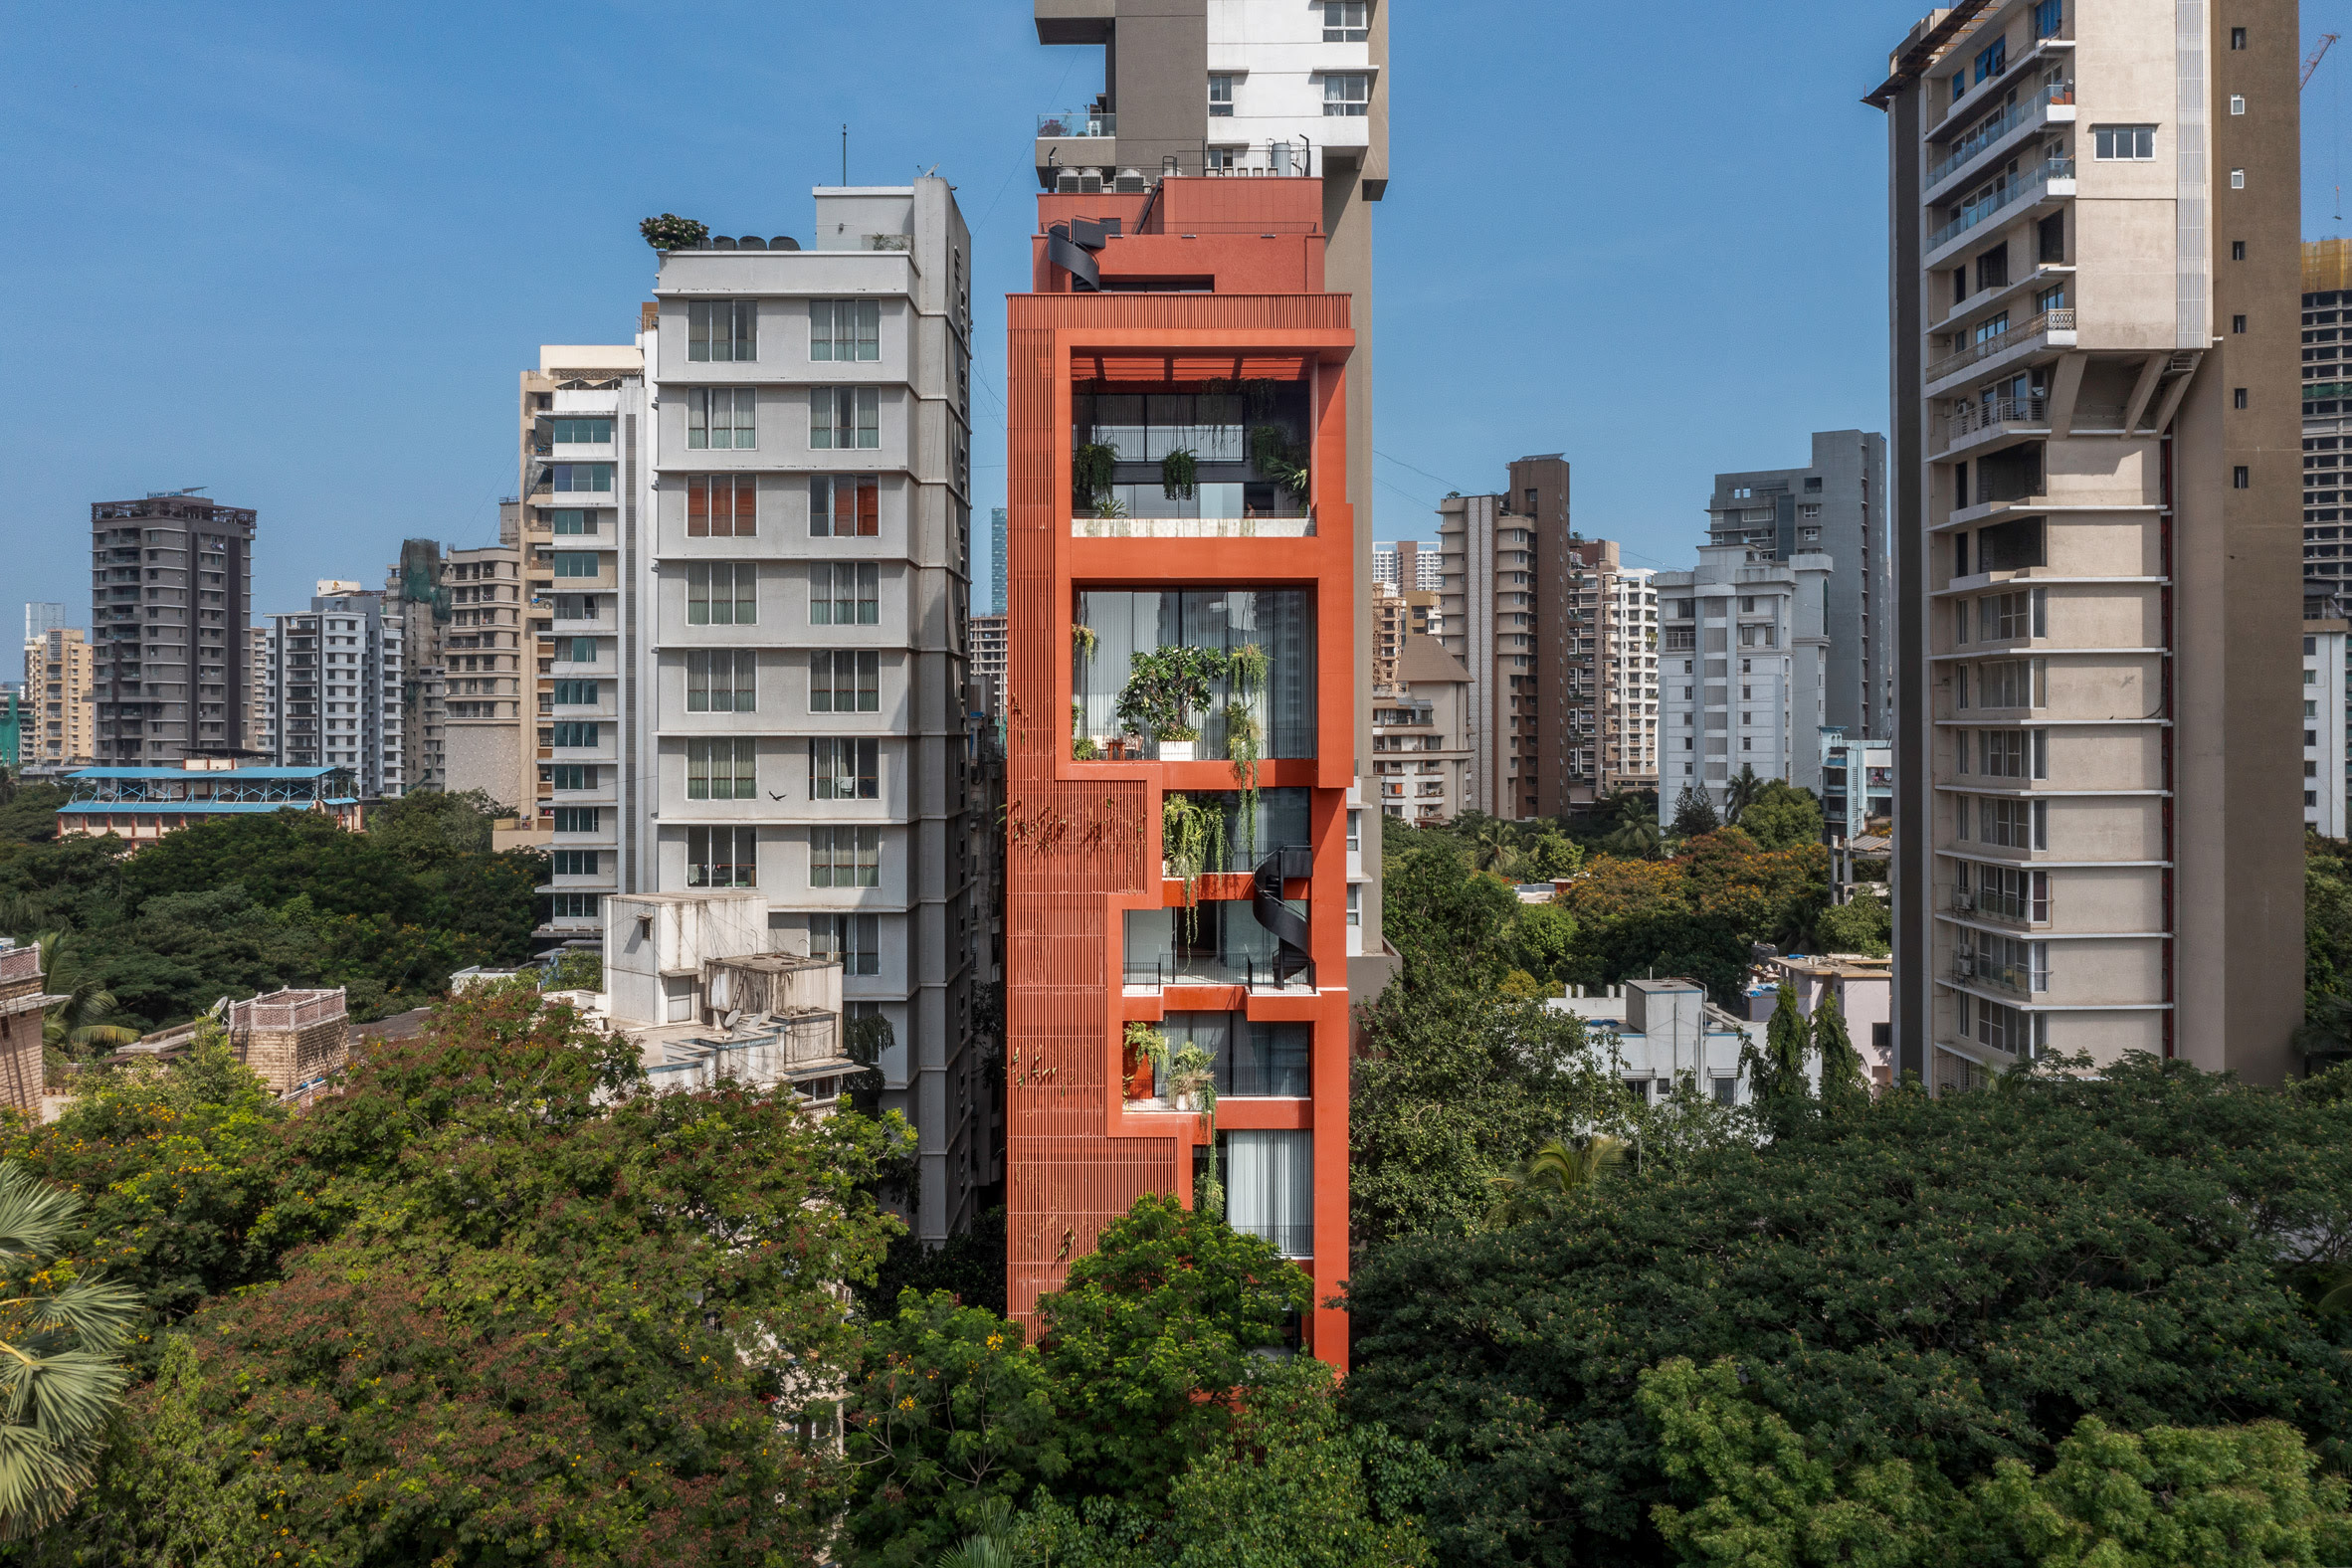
577,970
511,1307
61,1369
1777,1071
1149,1341
1842,1074
1744,789
29,816
1447,924
1757,1493
2327,947
1179,472
1092,468
1782,816
969,1266
1166,686
1272,454
950,1413
1549,1176
1861,924
1192,841
1541,942
1950,1282
1694,814
670,232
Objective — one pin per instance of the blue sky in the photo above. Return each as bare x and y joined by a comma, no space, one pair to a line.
298,254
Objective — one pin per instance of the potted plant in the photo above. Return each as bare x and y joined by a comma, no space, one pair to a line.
1165,687
1272,454
1192,842
1091,469
1146,1043
1082,744
1192,1082
1179,472
670,232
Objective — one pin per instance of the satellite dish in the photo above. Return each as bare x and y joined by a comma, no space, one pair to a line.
220,1005
729,1022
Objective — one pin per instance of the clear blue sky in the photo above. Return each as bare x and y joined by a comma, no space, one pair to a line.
298,253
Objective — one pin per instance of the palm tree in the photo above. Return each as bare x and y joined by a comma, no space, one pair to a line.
1742,794
1840,1064
1637,835
79,1023
1553,1171
59,1375
1495,846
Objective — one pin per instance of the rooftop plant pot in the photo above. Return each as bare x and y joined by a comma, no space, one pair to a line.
1177,750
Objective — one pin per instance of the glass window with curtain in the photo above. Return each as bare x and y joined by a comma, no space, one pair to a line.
723,856
855,939
574,477
1269,1188
575,563
721,506
580,650
722,769
1279,621
841,768
842,681
573,519
575,694
841,331
721,593
722,680
845,506
1254,1059
722,330
845,593
844,418
721,418
845,856
582,432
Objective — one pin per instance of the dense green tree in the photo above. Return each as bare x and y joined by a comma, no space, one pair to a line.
1842,1074
29,815
1695,813
1777,1070
1448,923
1557,1168
1861,924
1745,788
1782,816
1541,942
1950,1282
969,1266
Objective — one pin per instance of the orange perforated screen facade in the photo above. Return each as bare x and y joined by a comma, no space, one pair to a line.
1084,1135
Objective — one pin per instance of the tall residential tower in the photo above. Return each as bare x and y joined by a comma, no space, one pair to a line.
2095,471
170,597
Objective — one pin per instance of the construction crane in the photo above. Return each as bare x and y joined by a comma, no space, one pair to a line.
2311,62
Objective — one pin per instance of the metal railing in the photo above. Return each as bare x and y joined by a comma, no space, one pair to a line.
1077,123
1191,527
1991,412
2060,319
2018,979
1251,973
2026,187
2000,125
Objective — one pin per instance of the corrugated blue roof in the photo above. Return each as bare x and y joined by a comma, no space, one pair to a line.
106,808
199,774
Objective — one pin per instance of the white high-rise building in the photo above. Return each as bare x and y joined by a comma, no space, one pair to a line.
1744,672
2327,743
331,688
1628,674
800,568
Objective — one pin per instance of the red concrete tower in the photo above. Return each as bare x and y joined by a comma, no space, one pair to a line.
1188,320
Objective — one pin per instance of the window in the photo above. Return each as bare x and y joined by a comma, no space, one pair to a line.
2013,823
583,432
575,694
2238,37
722,680
572,733
844,418
572,775
721,593
1345,21
1759,634
1221,97
573,519
844,683
1347,94
1355,903
855,939
2006,616
2008,1029
721,769
575,819
576,563
844,332
845,856
2238,397
1355,830
844,593
574,905
845,506
2239,478
842,769
582,649
1214,158
2124,143
722,858
720,416
575,863
722,330
2236,105
2238,179
574,477
2238,249
1991,60
721,506
2048,15
2237,323
1269,1188
2002,753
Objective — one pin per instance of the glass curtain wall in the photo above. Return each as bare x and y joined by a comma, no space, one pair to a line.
1254,1059
1282,621
1216,942
1269,1188
1143,427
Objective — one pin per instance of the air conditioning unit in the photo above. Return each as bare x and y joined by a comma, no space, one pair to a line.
1964,902
1964,966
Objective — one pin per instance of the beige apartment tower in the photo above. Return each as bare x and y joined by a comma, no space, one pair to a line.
61,714
2095,471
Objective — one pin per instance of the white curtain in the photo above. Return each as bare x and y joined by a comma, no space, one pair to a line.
1269,1188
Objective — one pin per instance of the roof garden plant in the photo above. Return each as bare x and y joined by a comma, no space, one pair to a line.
670,232
1166,686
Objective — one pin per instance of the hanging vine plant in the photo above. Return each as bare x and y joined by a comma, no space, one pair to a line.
1246,668
1192,1076
1261,392
1191,844
1179,471
1148,1044
1272,455
1090,470
1082,744
1082,641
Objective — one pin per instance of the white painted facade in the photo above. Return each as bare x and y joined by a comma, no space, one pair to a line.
1299,79
2327,743
1744,672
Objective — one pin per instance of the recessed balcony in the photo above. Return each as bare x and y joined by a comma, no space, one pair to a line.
2048,330
2052,103
1077,126
1989,420
2052,179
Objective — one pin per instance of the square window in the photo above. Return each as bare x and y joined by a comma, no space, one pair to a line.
1347,93
2124,143
845,331
2237,104
2238,179
2238,37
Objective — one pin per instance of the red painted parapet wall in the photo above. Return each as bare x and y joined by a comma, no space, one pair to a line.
1083,838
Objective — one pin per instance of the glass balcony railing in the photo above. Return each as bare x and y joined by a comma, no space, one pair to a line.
2060,320
2026,187
2000,125
1078,123
1997,411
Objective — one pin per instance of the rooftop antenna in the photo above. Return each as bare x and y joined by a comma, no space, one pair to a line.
844,153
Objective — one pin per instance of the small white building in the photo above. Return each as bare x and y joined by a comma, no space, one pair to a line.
1743,656
1865,989
2328,744
1663,1031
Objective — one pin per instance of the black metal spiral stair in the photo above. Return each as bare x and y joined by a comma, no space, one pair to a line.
1294,864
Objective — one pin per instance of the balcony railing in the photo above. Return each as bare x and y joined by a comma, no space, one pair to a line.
1083,122
1191,527
2019,979
1253,973
2026,187
1992,130
1996,411
2057,320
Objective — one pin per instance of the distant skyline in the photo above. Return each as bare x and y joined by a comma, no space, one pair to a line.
298,255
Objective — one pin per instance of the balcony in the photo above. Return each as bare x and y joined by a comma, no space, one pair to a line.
1977,423
2031,110
1076,124
1253,973
2017,979
1191,527
2055,178
2056,328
